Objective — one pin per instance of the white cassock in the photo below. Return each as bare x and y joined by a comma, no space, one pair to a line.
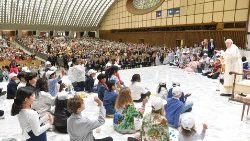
233,62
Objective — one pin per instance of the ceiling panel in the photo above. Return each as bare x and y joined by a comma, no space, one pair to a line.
77,13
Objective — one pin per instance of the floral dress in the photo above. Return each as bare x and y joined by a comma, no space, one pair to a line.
154,128
124,120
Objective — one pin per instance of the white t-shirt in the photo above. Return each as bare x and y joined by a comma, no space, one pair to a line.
29,120
76,73
43,102
136,90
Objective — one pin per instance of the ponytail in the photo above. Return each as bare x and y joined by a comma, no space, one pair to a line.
21,94
16,107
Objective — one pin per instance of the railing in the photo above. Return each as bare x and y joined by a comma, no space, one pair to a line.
39,54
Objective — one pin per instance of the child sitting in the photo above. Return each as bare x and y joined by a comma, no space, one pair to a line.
174,108
101,86
110,98
245,63
216,71
90,81
137,90
188,104
126,112
61,112
162,90
188,132
81,128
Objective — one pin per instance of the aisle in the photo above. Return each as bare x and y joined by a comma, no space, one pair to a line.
222,117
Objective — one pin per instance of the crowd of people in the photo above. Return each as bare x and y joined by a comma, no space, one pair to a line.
48,94
10,52
96,52
48,99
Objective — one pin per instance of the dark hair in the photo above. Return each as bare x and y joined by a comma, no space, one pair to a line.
101,76
113,69
13,63
136,78
61,104
243,58
21,94
110,84
42,85
161,86
74,103
188,133
21,74
74,60
30,76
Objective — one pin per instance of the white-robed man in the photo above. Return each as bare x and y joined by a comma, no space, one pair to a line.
233,63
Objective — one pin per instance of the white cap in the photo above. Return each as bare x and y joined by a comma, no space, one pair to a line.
48,73
12,75
91,71
174,83
25,69
108,64
156,103
187,122
53,68
62,95
177,91
47,63
162,82
205,54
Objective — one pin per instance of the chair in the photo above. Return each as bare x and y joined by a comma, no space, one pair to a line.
242,87
246,102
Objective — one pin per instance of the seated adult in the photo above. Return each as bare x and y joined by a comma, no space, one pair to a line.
12,86
138,91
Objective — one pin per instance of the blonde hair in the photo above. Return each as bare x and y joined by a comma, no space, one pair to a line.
124,98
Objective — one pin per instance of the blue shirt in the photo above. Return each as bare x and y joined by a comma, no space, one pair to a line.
245,65
52,83
101,88
114,78
173,110
109,102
